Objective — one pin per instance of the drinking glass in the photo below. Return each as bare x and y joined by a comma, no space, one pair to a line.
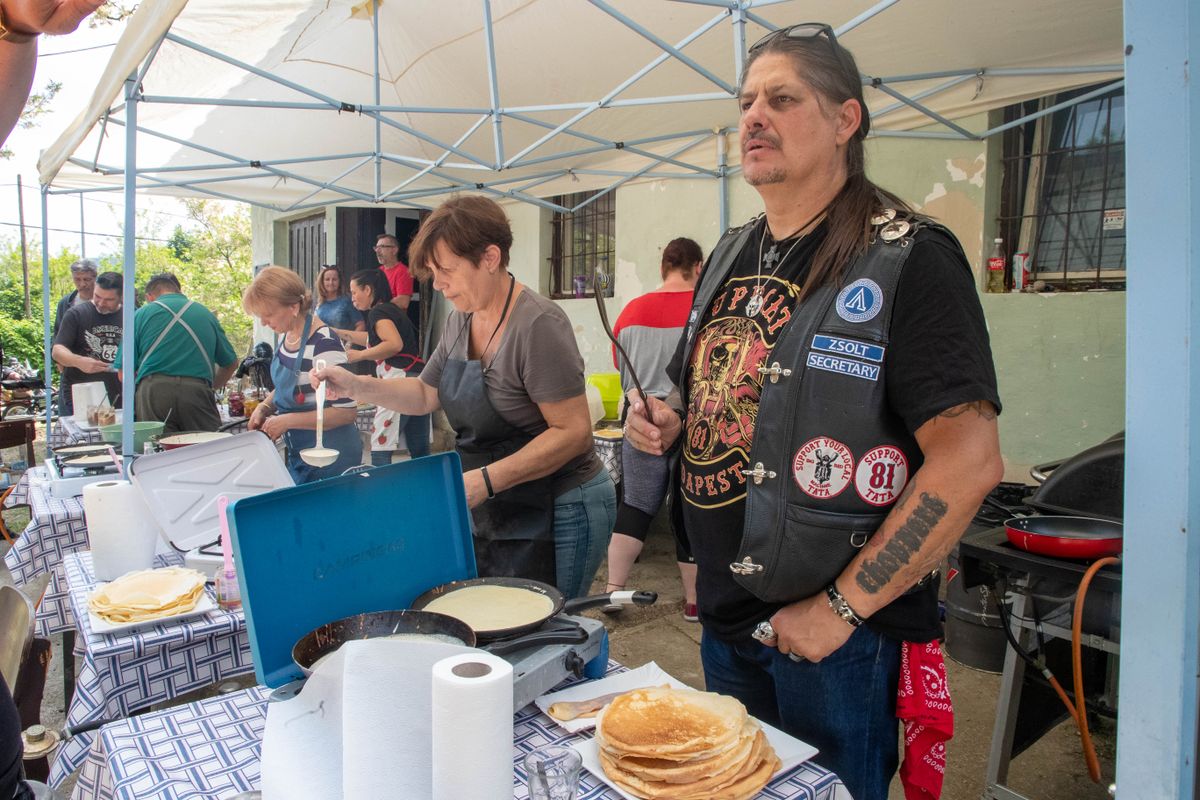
553,773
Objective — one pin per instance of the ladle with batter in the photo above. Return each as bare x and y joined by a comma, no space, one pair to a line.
319,456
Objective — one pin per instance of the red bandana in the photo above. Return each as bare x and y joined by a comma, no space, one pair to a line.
923,703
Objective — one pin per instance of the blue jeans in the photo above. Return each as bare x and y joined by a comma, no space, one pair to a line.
583,523
845,705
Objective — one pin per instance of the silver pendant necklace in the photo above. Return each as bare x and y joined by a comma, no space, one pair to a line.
774,261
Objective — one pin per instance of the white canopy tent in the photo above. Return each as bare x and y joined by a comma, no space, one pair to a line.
292,104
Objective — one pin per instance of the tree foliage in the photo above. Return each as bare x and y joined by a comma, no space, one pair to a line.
211,258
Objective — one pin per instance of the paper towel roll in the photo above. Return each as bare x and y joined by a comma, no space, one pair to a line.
121,532
472,728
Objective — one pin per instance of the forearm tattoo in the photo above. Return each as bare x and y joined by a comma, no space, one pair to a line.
981,407
874,574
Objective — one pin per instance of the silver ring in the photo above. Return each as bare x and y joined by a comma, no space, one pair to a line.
796,658
765,632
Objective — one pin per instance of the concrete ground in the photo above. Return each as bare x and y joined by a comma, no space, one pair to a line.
1052,769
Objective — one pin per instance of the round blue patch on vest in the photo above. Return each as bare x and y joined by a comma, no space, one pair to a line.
860,301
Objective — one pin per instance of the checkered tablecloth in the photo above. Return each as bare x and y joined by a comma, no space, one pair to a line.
55,529
211,749
123,672
57,437
73,433
364,419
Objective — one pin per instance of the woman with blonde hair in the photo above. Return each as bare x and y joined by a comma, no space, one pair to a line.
279,299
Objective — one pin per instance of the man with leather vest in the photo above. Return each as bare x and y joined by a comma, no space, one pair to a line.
180,353
836,420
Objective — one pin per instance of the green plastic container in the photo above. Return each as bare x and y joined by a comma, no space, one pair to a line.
609,384
142,432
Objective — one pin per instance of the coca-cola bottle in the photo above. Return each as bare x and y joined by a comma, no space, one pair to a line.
995,267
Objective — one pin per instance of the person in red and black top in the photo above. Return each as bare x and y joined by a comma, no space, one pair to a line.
387,250
391,342
649,328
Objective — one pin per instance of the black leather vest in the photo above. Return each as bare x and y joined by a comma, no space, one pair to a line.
829,457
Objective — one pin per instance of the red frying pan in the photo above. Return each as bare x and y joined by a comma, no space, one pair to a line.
1065,537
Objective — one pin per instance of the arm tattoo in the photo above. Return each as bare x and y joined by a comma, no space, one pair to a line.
874,574
981,407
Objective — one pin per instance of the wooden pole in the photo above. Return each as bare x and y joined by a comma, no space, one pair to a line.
24,254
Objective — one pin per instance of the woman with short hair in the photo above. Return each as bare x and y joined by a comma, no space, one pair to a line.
509,376
279,299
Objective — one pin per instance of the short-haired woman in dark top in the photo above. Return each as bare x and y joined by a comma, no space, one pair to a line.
391,342
509,376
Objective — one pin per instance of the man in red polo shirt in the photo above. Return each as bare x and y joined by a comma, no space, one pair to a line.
387,250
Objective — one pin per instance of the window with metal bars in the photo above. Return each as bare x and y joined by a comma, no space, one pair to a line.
1063,191
584,241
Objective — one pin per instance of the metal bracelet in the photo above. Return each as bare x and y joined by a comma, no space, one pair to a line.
840,607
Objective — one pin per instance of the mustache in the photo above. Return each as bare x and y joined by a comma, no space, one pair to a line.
759,136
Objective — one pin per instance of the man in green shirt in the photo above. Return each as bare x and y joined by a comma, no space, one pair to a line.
180,353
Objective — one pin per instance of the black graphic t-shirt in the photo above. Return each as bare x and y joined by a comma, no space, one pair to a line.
938,357
86,332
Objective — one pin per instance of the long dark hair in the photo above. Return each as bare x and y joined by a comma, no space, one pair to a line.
376,281
833,74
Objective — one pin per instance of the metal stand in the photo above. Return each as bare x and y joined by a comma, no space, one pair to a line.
1012,683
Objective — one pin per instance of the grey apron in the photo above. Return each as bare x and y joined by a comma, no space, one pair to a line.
514,531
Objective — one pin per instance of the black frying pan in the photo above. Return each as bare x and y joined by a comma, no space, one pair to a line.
374,625
560,604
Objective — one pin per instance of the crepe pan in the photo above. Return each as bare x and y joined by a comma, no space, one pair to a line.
379,624
1065,537
163,441
560,604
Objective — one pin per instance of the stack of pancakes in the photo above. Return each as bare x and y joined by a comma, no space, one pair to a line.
680,744
148,594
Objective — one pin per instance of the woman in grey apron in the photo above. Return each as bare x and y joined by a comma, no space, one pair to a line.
508,374
279,299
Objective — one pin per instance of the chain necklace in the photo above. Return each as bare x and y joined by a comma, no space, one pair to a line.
774,261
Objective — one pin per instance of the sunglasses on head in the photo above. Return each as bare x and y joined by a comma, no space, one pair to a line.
803,30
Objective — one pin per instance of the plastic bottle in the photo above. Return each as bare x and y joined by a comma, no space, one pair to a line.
995,267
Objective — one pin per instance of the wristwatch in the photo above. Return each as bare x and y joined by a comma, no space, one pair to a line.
7,34
841,607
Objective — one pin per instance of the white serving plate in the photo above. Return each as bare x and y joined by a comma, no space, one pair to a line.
204,605
649,674
791,751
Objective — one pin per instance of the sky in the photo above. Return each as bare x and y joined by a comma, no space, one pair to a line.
76,60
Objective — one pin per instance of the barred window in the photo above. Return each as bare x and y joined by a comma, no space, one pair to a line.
584,241
1063,194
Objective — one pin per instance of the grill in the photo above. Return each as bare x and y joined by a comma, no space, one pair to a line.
1041,592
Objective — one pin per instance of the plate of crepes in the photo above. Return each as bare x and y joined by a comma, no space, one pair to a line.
576,707
681,744
148,596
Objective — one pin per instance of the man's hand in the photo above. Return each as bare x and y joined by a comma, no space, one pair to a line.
651,430
93,365
48,16
809,629
338,382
